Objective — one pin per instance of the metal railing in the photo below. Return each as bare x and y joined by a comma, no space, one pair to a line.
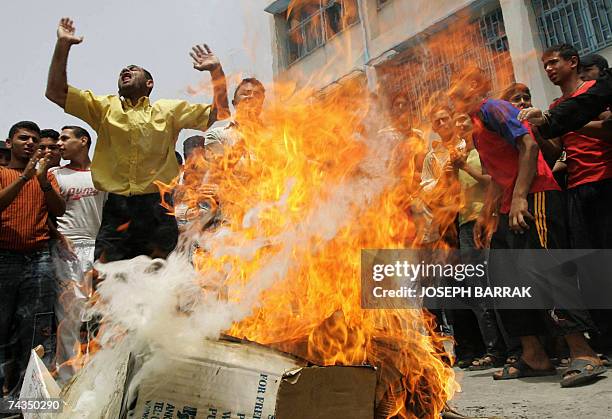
585,24
314,30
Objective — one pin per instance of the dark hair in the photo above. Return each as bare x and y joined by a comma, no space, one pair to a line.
511,90
251,80
191,143
179,158
438,101
79,132
566,51
49,133
29,125
476,75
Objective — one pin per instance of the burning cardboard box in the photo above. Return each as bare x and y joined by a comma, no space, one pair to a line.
232,380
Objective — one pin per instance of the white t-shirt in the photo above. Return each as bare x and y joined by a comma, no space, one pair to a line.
84,204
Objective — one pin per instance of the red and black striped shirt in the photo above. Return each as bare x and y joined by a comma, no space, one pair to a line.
23,224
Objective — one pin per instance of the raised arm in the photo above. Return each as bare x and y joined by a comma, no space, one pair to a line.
57,81
8,194
573,113
205,60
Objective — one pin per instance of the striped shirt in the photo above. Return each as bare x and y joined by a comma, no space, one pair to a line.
23,224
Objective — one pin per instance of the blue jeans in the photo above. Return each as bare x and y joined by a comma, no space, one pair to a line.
28,292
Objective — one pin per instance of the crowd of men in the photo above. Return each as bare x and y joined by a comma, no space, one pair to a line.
488,180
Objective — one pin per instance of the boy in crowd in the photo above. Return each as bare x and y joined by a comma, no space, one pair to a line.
248,102
48,142
589,162
5,154
28,196
84,203
531,217
592,67
135,147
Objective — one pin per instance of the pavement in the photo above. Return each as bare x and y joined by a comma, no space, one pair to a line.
530,398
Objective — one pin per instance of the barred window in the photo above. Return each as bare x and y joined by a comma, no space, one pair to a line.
585,24
428,66
310,26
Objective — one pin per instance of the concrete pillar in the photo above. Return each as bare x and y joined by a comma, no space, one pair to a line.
526,50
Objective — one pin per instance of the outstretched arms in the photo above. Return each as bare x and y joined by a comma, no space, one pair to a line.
57,82
205,60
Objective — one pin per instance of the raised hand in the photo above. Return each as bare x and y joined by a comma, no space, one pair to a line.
43,168
204,59
66,32
30,169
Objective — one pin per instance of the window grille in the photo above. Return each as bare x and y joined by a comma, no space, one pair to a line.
585,24
310,27
429,66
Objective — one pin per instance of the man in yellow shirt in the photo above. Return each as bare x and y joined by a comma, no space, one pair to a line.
135,147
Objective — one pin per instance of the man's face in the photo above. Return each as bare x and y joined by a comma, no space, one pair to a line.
464,98
51,146
521,99
442,124
23,144
249,99
133,82
400,113
557,68
591,72
5,158
463,124
70,145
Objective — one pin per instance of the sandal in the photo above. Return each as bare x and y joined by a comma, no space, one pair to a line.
512,359
465,363
584,375
523,370
485,363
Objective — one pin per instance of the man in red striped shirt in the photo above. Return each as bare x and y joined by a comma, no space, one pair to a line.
28,195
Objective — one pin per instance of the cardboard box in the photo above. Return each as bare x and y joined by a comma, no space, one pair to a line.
334,392
230,381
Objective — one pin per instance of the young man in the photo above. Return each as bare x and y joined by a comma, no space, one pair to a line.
248,102
48,142
5,154
28,195
84,203
531,217
592,67
589,162
439,182
135,147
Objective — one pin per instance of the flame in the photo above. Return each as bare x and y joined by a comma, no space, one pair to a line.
297,197
300,196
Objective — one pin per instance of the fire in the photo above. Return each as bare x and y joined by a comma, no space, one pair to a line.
301,195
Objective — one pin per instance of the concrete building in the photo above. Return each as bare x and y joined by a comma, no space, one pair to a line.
415,45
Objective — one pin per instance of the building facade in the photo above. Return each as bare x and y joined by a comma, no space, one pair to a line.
415,46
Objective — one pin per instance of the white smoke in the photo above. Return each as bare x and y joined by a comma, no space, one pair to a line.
156,307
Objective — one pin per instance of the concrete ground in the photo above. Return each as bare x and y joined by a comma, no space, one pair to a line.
538,397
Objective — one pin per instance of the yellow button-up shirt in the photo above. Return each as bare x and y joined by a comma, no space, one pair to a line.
136,142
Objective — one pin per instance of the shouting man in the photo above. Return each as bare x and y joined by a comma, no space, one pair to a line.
135,147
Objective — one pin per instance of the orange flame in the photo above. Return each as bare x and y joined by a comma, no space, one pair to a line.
300,186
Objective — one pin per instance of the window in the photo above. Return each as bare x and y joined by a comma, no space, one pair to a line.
428,66
311,26
585,24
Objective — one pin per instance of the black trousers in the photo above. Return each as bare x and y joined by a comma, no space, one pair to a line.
547,231
133,226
